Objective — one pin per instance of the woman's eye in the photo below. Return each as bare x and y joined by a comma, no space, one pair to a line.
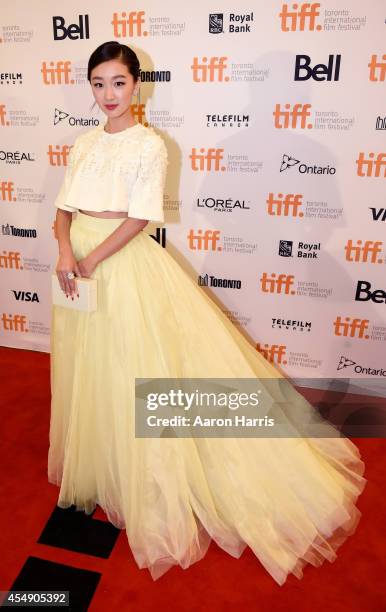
120,83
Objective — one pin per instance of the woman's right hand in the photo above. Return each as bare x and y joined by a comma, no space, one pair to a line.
67,263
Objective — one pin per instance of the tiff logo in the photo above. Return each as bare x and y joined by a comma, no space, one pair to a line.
302,17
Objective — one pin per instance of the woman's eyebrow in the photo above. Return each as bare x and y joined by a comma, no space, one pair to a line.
116,76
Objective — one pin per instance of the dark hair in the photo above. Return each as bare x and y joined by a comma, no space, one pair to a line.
114,50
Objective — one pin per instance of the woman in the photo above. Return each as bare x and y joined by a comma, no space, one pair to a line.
292,500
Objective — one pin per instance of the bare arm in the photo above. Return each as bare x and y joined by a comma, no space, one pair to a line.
66,262
116,240
62,226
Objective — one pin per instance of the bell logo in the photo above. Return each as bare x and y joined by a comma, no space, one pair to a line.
351,327
202,161
128,25
371,167
273,352
364,294
321,72
295,118
73,31
286,206
377,69
360,253
57,74
204,241
3,114
302,17
210,69
60,156
14,323
6,191
273,284
10,260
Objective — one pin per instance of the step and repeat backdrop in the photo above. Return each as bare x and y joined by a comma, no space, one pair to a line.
274,118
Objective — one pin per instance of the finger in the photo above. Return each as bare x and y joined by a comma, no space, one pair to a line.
61,281
66,284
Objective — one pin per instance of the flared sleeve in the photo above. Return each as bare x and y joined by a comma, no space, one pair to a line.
61,198
146,200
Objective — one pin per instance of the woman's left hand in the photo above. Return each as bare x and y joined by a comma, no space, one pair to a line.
87,266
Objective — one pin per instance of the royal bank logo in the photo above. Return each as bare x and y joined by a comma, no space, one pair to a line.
285,248
216,23
307,250
237,23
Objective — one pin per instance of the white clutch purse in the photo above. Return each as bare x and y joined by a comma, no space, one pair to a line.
87,289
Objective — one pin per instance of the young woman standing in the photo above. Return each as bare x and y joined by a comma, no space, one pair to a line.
292,500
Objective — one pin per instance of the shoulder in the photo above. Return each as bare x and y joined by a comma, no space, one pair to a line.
85,139
152,143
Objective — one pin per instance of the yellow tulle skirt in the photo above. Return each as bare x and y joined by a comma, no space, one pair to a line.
291,500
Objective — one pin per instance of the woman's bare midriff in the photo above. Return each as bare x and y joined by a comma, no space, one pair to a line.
107,214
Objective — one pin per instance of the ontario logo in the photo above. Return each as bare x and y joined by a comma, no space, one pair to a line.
60,116
289,162
345,362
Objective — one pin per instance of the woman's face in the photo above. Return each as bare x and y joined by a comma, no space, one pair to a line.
113,87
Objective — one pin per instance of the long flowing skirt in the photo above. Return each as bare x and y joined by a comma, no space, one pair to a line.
291,500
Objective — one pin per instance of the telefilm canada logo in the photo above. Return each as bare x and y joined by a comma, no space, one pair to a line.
289,162
11,78
291,324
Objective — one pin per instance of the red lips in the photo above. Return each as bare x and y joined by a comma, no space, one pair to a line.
111,106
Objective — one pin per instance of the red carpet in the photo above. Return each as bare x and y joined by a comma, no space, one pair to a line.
218,582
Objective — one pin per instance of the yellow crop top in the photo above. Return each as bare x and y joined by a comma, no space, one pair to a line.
123,171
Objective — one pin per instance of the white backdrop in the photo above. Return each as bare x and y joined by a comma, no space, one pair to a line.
275,192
